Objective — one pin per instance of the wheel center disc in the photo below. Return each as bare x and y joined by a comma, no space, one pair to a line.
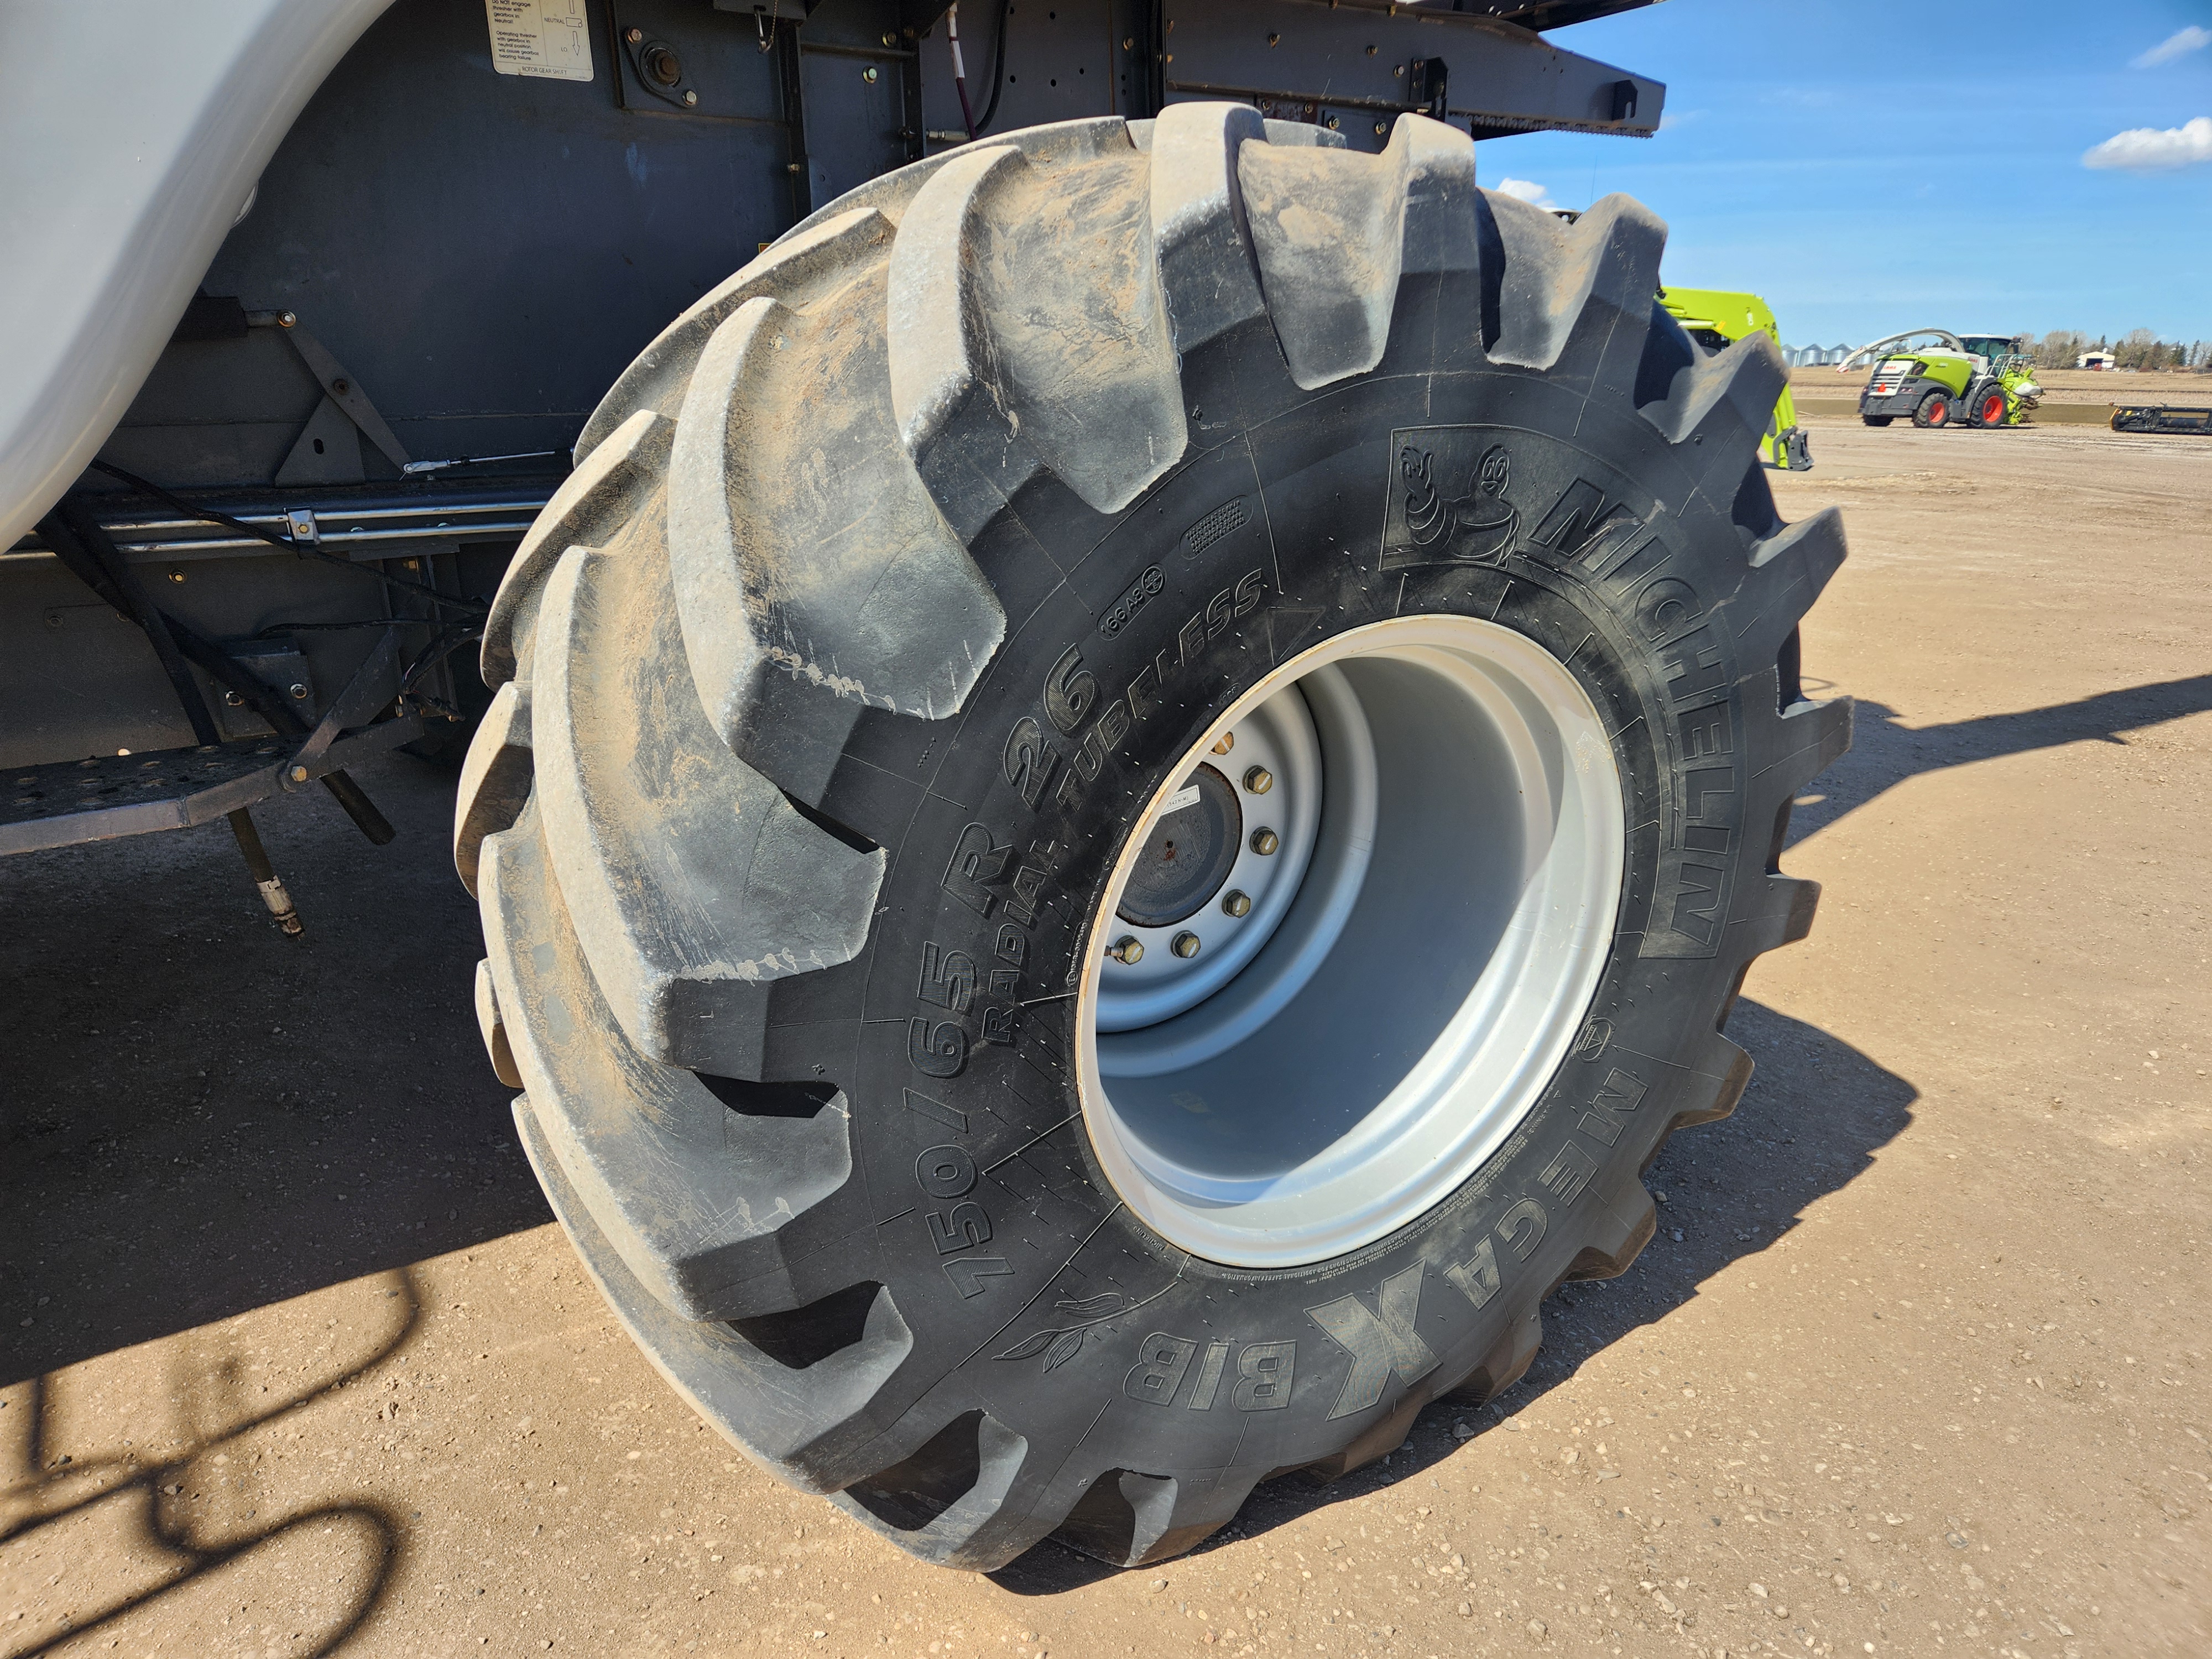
1188,856
1215,865
1351,940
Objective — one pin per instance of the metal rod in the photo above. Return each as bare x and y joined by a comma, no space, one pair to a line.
94,548
418,469
265,874
305,550
960,69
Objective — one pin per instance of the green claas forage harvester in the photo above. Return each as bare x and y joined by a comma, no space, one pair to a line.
1717,319
1943,379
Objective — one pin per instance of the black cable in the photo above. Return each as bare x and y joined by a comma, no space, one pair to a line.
278,631
304,549
440,647
998,72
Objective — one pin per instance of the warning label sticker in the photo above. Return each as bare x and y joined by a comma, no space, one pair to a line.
547,38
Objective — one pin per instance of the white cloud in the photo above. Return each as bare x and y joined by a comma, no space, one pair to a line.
1669,119
1524,190
2154,150
2179,44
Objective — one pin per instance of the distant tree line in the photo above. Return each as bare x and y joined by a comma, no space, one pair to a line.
2138,349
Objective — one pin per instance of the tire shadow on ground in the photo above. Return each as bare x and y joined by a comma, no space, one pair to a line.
1886,751
200,1117
1809,1123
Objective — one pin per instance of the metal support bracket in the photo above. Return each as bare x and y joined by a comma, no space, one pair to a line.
364,695
338,385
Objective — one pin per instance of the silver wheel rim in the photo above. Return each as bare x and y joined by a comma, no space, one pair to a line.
1420,950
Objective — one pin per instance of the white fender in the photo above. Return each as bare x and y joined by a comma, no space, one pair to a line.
118,184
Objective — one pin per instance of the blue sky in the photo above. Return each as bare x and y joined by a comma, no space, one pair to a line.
1870,165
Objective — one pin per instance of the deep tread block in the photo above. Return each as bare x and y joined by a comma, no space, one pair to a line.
1789,569
1207,267
952,416
820,253
494,1029
1071,373
947,1501
591,501
1379,1439
1624,1228
1729,1067
1335,234
1575,299
495,778
806,1426
1505,1364
1774,911
890,193
695,1198
1131,1519
693,884
1718,406
1813,737
855,592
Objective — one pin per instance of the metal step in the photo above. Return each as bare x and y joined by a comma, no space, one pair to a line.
66,802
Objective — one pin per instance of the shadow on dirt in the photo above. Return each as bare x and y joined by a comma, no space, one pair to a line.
199,1117
1815,1113
198,1499
1885,751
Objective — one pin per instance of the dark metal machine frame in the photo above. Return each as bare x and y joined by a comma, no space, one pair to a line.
285,550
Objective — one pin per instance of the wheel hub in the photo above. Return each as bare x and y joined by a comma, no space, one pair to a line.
1287,1054
1217,866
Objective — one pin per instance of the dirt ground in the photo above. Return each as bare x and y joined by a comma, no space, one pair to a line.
296,1363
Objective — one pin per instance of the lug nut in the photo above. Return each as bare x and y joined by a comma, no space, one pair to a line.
1130,950
1228,742
1265,842
1235,903
1186,944
1259,780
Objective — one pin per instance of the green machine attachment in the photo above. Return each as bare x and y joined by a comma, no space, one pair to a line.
1715,320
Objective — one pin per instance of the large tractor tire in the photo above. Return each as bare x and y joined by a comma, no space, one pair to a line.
1340,594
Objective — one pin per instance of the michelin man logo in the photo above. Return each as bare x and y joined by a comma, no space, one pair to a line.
1447,504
